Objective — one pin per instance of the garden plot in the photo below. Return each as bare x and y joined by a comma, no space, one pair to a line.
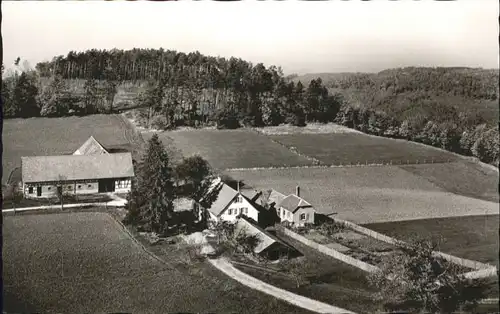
354,244
357,245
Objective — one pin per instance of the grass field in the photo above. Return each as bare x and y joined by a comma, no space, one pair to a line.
54,136
367,194
464,178
473,237
235,148
86,263
345,148
174,153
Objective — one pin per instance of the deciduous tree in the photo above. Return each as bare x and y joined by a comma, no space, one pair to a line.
419,281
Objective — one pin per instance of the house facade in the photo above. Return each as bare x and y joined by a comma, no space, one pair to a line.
292,208
229,203
88,171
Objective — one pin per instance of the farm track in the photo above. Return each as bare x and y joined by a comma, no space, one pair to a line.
130,134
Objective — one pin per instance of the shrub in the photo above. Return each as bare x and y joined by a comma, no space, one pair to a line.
330,228
226,120
160,123
418,281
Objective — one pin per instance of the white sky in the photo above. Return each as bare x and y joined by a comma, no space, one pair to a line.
329,36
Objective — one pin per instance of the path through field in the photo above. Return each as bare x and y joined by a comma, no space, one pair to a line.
292,298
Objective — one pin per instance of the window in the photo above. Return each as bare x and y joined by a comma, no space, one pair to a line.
302,216
70,187
79,186
239,199
230,211
49,188
289,214
244,210
89,186
30,190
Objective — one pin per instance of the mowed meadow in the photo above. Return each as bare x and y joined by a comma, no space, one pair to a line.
86,263
283,157
234,148
367,194
56,136
358,148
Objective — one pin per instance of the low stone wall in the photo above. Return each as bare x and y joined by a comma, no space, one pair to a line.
331,252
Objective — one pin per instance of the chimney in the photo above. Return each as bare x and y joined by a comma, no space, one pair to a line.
297,191
238,186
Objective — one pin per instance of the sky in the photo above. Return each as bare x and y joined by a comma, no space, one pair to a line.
301,37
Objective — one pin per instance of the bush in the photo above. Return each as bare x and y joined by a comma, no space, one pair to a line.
418,281
330,228
226,120
161,123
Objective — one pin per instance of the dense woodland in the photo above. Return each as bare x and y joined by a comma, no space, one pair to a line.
452,108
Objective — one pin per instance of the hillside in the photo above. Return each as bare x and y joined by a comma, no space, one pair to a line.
417,91
450,108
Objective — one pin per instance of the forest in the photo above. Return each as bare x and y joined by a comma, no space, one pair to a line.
451,108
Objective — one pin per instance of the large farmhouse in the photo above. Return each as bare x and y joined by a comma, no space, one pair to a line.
89,170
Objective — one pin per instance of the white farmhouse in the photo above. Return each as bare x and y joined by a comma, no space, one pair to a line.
229,203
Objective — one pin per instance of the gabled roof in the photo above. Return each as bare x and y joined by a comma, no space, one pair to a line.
275,197
251,228
76,167
91,147
250,194
292,202
225,195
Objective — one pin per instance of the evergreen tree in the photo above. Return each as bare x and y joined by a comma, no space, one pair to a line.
151,199
25,96
91,98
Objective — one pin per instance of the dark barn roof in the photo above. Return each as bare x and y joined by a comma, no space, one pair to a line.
76,167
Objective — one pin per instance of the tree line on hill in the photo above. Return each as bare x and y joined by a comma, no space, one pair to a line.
196,90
